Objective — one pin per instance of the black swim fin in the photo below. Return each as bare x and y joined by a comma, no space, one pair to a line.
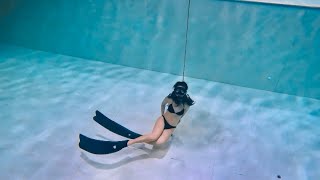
114,127
95,146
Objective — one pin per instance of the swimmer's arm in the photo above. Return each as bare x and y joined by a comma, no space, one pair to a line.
163,104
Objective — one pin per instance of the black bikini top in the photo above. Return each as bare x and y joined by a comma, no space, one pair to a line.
170,109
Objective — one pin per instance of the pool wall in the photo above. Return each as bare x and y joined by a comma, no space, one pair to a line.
255,45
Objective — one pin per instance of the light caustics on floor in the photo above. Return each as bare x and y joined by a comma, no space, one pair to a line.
231,133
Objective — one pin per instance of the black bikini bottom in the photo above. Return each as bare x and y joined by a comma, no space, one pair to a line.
166,124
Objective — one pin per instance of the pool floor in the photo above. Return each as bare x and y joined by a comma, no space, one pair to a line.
231,133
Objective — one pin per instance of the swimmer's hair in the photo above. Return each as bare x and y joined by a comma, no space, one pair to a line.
181,83
186,98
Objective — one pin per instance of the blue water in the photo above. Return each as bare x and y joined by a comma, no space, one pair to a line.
232,132
260,46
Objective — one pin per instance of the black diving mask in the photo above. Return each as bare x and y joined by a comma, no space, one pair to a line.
180,91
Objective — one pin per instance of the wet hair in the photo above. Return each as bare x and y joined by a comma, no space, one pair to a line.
185,99
180,83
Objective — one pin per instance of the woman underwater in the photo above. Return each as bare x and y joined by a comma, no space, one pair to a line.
178,102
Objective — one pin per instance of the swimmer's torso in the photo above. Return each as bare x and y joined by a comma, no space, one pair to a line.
174,117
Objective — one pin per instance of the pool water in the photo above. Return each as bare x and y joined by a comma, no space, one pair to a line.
231,132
